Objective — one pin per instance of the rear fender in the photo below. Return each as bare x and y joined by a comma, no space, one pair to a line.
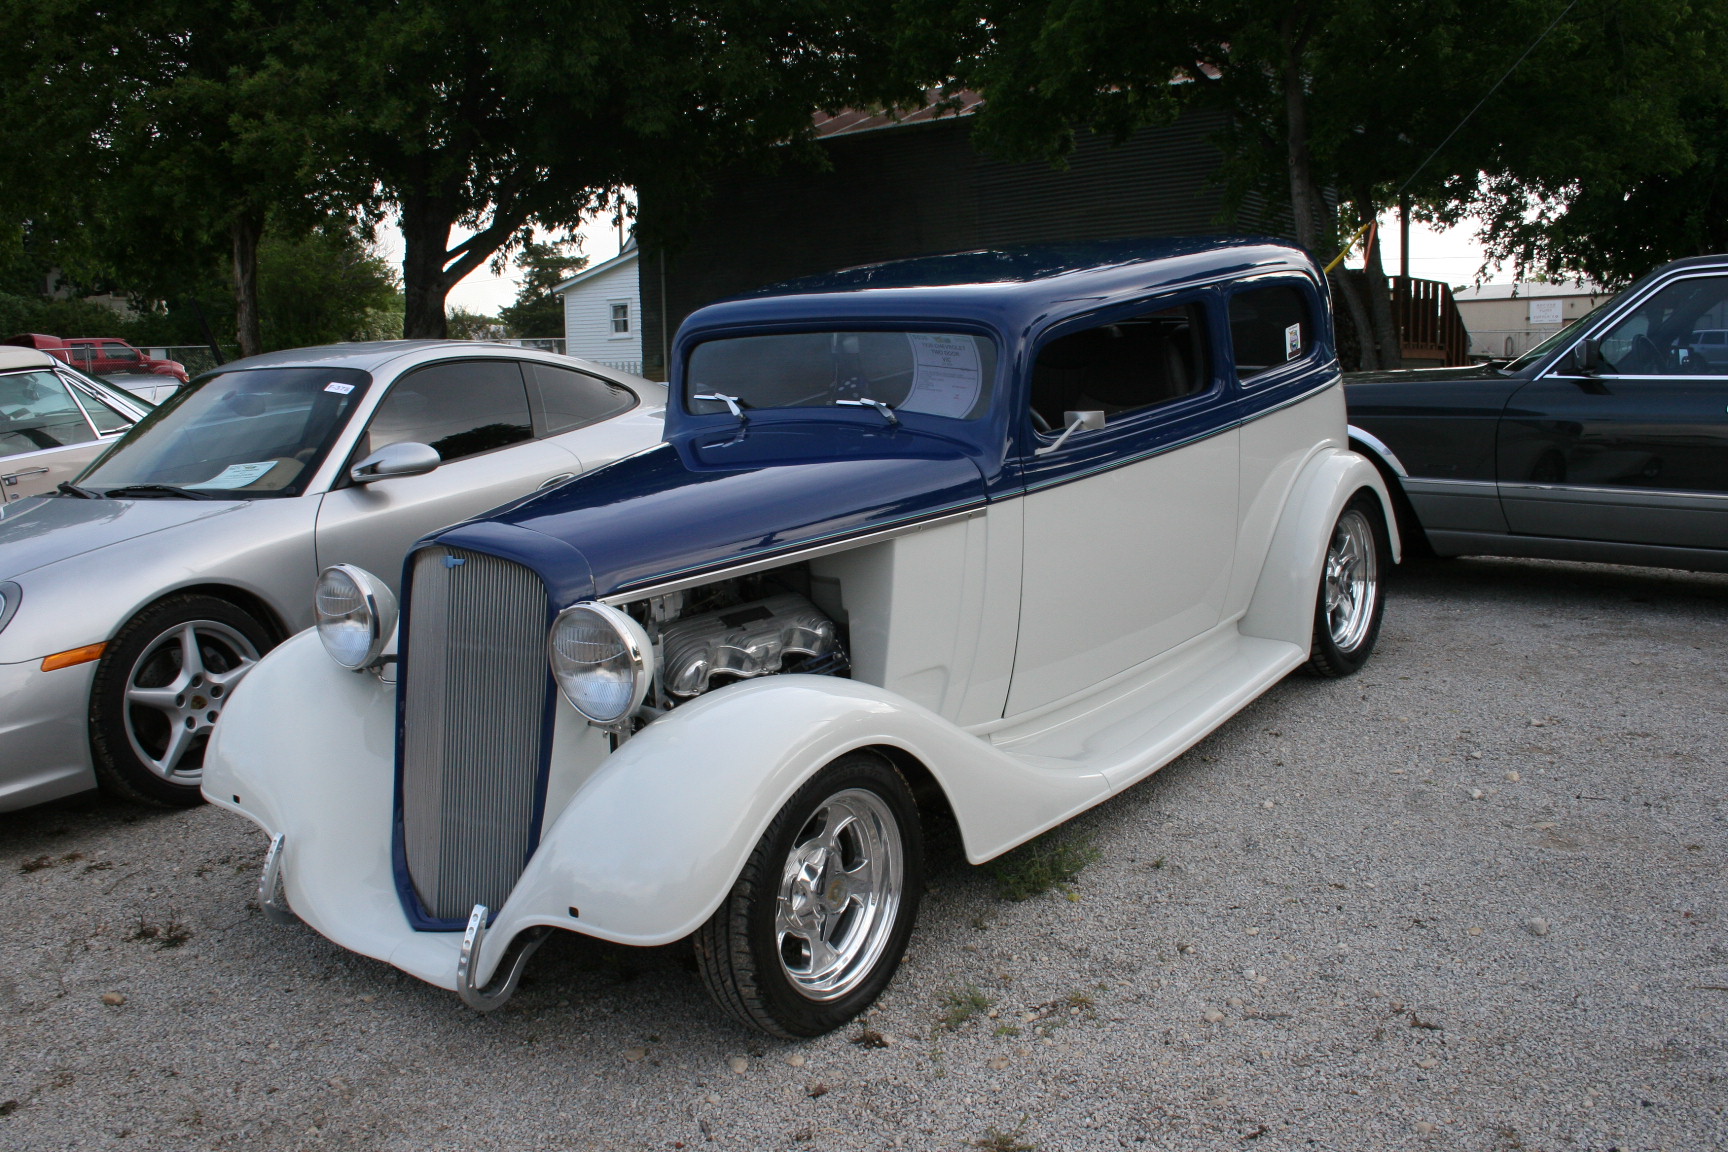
1282,607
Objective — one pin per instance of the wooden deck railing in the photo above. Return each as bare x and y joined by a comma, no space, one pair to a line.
1432,331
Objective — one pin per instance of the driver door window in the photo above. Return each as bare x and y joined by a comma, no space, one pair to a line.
1667,334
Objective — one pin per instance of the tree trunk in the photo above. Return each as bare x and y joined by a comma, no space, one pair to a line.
245,230
1303,202
1386,336
425,283
1343,288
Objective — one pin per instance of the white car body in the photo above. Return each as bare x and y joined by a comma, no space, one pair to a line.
1013,652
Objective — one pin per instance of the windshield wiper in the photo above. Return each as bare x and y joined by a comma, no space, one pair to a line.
152,491
67,488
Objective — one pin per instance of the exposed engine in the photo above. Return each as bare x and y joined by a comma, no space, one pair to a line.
736,630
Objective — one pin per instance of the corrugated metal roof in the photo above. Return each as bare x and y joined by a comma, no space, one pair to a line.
1526,288
938,102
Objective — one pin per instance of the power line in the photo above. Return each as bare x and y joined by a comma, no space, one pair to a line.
1486,97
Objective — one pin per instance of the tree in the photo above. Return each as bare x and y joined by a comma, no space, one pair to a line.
462,112
1338,107
544,266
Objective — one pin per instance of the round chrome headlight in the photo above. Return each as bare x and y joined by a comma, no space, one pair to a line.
356,613
602,661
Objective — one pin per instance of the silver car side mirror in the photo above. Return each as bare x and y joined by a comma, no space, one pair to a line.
403,458
1089,421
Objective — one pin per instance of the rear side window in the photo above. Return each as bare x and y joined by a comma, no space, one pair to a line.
461,409
1269,326
1124,366
570,399
105,416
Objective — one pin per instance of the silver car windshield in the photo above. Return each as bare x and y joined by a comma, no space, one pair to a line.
935,373
234,435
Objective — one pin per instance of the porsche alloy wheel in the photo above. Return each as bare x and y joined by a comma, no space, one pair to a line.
818,920
159,690
1347,615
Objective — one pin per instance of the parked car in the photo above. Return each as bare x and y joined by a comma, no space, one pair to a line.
104,356
990,536
54,421
1606,442
134,602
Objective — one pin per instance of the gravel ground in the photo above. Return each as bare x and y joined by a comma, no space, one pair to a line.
1472,898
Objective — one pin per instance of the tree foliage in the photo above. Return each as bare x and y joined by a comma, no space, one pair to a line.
544,265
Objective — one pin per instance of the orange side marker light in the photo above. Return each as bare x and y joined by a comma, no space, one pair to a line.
73,656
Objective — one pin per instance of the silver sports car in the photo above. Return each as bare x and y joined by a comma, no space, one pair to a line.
133,601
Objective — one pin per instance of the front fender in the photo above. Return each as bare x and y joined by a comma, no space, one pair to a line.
1282,607
652,842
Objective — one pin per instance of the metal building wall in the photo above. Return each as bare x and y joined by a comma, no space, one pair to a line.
917,189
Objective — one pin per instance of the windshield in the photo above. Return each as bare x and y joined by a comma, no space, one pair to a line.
934,373
1576,328
236,435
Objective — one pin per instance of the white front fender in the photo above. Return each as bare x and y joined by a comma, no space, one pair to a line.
652,842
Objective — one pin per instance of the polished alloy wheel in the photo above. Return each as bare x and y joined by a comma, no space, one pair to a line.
176,690
1351,587
839,894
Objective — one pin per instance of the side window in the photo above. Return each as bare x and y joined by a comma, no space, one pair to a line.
115,351
105,416
1124,366
461,409
569,399
1268,327
37,412
1661,334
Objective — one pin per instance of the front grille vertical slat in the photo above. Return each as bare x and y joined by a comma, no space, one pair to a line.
475,685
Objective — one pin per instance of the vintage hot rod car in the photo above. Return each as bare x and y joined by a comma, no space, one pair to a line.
984,537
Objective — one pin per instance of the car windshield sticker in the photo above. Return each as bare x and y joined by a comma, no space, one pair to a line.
339,389
945,375
238,475
1292,341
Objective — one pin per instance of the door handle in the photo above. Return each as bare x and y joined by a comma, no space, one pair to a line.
551,481
11,480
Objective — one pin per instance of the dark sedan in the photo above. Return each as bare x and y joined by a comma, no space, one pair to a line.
1607,442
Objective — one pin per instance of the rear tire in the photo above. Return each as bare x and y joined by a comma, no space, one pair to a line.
1350,603
161,684
815,926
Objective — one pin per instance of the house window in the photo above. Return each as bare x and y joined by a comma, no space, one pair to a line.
620,317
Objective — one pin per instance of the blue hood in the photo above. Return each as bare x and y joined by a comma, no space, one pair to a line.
682,509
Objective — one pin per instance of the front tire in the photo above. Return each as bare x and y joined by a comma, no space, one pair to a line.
1350,603
816,924
162,682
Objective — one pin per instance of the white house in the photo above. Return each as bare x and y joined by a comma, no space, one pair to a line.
1507,320
603,312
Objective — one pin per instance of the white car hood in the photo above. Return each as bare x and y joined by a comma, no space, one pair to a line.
47,529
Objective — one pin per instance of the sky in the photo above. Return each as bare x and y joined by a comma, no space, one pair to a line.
1452,255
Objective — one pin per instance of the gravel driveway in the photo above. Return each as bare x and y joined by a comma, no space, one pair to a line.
1472,898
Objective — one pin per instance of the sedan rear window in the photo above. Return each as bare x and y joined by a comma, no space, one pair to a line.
934,373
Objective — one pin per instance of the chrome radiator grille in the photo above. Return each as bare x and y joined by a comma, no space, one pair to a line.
475,684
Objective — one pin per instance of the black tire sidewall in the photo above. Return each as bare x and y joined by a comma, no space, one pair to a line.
795,1013
1326,658
118,769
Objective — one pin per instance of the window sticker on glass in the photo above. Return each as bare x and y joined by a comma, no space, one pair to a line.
1293,341
945,375
339,389
239,475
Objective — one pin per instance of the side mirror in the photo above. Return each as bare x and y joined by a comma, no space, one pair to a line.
404,458
1089,421
1587,357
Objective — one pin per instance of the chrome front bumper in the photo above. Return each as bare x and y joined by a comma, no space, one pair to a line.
44,733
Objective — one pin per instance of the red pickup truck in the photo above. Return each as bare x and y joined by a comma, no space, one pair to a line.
101,355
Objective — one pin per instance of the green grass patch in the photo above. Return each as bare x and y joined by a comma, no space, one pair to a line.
962,1004
1045,863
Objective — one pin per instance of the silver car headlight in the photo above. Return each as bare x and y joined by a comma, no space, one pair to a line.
602,661
356,614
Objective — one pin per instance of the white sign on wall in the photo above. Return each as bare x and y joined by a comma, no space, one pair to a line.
1546,311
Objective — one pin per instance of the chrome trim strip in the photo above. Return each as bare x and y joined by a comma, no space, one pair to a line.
827,547
1379,447
1417,483
1672,494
